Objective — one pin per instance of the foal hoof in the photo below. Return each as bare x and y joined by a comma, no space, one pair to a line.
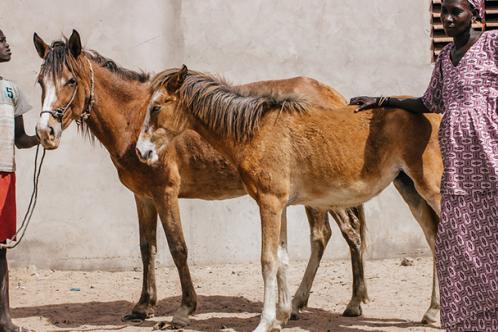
352,312
162,326
430,317
179,322
295,316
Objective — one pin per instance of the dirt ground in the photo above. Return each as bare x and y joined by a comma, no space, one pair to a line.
229,298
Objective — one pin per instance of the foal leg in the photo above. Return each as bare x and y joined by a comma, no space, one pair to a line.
147,222
270,209
428,220
284,304
169,212
351,222
320,234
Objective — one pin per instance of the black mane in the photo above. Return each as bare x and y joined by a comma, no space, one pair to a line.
59,56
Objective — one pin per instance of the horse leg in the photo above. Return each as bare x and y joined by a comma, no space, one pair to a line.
428,220
284,303
147,222
351,222
271,213
169,212
320,234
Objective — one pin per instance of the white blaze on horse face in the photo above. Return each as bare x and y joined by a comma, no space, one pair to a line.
50,98
146,150
149,108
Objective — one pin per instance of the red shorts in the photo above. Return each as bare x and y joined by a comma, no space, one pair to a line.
7,206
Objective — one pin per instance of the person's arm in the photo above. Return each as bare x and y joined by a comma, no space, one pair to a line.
414,105
22,140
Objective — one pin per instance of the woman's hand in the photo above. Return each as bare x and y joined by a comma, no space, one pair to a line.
365,103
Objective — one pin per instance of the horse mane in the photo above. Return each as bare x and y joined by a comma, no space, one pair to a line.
59,56
223,107
113,67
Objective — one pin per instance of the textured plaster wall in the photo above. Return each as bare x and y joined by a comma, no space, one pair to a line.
86,219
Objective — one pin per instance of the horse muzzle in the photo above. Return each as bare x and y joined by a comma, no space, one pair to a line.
49,136
146,152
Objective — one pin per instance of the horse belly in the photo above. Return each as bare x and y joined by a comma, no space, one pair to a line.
340,196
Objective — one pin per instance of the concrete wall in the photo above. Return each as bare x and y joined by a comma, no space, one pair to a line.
86,219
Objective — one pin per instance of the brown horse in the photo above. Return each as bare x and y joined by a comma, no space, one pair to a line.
291,150
110,103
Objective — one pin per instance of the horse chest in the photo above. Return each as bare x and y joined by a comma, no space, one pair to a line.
134,181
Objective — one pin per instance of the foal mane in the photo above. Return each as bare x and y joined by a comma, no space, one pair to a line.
223,107
59,56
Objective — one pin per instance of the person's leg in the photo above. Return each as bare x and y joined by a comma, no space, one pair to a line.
7,231
6,324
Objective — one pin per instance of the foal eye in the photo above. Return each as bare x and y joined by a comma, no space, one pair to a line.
71,82
155,109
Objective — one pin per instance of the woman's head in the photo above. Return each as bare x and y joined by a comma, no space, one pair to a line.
457,16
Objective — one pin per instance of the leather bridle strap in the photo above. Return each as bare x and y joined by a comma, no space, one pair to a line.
58,113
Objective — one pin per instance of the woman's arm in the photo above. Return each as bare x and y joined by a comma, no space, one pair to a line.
22,140
414,105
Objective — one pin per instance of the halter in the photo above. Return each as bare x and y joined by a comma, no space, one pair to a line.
58,113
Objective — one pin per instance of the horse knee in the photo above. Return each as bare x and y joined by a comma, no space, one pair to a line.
147,249
179,252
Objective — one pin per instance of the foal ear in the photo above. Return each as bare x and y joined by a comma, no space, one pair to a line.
176,81
40,45
74,44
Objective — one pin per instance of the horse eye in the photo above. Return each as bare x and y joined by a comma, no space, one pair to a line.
71,82
155,109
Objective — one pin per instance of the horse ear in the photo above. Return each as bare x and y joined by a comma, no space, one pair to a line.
40,45
74,44
176,81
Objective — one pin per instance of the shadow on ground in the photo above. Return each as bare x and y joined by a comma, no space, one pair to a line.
74,315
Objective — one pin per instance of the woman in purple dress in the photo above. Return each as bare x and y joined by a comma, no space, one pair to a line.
464,88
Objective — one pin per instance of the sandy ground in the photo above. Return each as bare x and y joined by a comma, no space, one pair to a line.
229,298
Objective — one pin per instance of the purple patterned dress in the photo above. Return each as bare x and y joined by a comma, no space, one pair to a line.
467,240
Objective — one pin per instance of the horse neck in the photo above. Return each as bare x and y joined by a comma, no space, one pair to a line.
227,146
118,111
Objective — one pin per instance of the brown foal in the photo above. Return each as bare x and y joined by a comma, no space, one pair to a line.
292,149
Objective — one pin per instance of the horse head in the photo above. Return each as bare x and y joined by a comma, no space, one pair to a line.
161,123
67,81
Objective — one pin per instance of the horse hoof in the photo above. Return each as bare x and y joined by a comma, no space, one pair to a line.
179,322
295,316
430,316
136,317
160,326
275,327
428,319
352,312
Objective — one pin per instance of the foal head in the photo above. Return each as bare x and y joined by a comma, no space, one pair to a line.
210,105
161,121
67,82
